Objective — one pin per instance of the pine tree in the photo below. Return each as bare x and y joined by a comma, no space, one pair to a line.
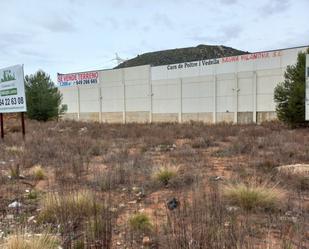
290,94
43,97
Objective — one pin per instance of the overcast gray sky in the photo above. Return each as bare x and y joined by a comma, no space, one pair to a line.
76,35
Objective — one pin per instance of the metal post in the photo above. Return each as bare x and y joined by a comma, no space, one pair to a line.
1,124
23,124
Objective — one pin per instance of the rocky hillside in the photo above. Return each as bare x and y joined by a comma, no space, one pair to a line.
178,55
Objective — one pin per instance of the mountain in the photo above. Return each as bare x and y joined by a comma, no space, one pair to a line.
179,55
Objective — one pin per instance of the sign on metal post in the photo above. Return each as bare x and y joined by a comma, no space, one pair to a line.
12,93
307,88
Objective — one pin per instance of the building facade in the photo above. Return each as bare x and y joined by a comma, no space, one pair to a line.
238,89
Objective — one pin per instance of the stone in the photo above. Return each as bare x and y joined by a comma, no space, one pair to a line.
15,204
173,204
294,169
146,241
113,210
135,189
232,209
216,178
9,217
83,130
31,219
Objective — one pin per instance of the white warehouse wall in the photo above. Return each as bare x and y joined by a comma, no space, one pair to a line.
232,89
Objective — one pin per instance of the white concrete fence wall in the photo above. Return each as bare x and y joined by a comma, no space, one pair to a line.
239,91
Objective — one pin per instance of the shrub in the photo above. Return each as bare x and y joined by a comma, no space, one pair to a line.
32,195
140,222
15,172
164,175
201,142
73,204
252,196
38,172
33,242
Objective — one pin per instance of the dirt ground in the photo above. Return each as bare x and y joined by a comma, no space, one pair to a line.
139,169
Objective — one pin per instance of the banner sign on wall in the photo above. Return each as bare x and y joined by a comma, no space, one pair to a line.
307,88
75,79
245,57
12,90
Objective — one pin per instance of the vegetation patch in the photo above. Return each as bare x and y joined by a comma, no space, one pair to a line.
37,172
73,204
253,196
24,241
165,174
140,222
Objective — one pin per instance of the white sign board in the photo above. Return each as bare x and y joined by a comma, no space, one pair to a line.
12,90
307,88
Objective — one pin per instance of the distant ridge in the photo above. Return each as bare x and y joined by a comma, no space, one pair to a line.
178,55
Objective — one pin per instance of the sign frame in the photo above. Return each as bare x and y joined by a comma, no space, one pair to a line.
12,94
12,90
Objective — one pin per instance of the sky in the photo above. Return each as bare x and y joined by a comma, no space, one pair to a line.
79,35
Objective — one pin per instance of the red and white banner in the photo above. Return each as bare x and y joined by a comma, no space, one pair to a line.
74,79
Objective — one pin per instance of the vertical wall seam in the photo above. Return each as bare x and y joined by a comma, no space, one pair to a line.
78,103
215,99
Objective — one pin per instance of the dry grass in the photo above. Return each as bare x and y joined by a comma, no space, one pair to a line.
75,204
37,172
165,174
43,241
254,196
203,222
140,222
117,164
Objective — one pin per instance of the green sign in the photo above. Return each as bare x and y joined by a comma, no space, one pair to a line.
8,92
7,75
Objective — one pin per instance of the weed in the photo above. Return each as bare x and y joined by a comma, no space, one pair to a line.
32,195
38,173
73,204
165,174
15,172
252,196
31,242
140,222
201,142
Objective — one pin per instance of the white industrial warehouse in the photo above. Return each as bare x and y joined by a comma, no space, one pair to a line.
237,89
